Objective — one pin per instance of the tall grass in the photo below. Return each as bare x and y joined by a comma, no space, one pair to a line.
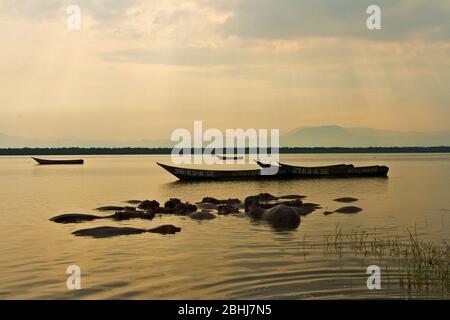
419,266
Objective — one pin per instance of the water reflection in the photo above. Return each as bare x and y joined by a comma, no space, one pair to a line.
230,257
363,185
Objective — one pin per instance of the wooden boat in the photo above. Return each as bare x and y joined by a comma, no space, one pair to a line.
284,172
48,162
335,171
200,174
226,157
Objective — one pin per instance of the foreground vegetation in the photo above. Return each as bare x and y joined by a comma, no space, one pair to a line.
419,267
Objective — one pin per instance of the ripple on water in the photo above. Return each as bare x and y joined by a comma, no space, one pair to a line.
228,257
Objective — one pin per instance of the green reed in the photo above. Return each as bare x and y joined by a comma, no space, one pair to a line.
419,266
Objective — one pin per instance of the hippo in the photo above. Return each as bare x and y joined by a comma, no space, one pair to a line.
163,210
106,232
132,214
172,203
217,201
262,197
280,216
74,218
225,209
269,202
165,229
292,197
171,206
206,205
110,208
148,205
120,215
133,201
202,215
293,203
307,208
184,209
349,210
346,199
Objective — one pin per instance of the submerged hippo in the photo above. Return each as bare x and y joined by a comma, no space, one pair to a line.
221,201
74,218
120,215
148,205
133,201
346,199
110,208
175,206
349,209
280,216
165,229
307,208
202,215
225,209
262,197
106,232
292,196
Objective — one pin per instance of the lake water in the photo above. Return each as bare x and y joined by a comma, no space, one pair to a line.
230,257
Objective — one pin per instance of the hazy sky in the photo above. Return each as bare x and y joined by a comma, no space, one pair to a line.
142,68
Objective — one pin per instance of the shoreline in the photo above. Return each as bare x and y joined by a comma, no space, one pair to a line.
166,151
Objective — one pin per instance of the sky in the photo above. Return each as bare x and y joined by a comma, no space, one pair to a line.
143,68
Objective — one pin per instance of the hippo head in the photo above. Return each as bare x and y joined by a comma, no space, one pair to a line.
253,209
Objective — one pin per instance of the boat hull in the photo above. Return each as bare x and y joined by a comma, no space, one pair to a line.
284,172
335,171
199,174
56,162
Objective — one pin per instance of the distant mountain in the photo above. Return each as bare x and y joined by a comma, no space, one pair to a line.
20,142
321,136
336,136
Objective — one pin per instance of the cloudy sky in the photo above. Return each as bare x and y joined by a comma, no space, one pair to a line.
142,68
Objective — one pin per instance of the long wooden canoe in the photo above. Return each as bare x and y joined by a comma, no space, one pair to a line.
200,174
48,162
284,172
335,171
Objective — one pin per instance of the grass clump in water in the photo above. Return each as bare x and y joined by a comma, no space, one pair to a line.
420,267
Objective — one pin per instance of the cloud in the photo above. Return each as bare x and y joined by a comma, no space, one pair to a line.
164,20
182,56
101,9
252,19
286,19
30,9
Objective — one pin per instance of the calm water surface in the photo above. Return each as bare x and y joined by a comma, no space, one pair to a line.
230,257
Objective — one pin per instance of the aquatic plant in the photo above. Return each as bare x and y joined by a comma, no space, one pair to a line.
419,267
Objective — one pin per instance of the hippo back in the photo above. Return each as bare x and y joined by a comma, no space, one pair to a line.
282,216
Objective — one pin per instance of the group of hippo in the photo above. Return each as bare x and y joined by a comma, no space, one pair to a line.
282,212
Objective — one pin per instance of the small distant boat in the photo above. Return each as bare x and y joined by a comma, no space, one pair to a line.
227,157
284,172
47,162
